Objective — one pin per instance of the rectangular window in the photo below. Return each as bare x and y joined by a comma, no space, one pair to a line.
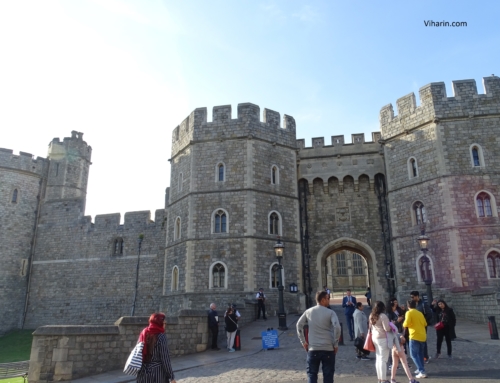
357,263
341,264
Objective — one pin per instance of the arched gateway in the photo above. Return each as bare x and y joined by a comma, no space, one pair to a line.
356,246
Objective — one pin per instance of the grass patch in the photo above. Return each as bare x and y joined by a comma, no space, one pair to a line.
12,380
15,347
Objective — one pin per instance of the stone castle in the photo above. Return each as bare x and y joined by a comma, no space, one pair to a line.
238,184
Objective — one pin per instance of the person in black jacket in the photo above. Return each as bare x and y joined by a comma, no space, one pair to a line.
213,325
447,317
231,327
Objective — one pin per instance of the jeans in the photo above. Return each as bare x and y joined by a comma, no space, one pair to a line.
382,352
417,354
350,324
327,360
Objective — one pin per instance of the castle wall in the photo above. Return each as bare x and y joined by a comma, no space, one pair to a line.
439,134
17,226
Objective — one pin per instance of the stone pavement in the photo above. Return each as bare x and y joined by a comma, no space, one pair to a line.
475,357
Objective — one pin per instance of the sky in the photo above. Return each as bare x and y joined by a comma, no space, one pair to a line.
126,73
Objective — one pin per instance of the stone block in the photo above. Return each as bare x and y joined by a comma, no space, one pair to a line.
63,369
60,355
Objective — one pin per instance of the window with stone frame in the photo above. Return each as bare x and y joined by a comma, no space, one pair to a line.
180,182
341,264
218,275
118,246
419,213
177,229
275,276
357,264
274,175
274,224
220,172
220,222
493,261
175,279
483,202
15,194
412,168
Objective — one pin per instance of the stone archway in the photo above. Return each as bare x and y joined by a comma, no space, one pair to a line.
354,245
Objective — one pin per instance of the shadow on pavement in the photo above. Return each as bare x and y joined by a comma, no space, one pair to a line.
476,375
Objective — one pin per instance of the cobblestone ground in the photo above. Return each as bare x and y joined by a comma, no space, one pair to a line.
288,363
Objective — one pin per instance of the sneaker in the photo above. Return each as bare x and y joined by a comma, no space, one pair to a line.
394,381
232,350
417,371
421,375
358,356
414,381
436,356
426,360
365,358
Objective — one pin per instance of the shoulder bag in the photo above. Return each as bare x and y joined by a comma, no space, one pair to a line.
440,325
369,346
134,361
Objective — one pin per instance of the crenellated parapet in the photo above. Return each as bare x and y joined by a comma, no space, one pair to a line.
196,126
132,220
338,144
73,146
23,162
435,105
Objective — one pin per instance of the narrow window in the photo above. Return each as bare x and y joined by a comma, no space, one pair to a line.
413,164
220,222
180,182
14,196
484,205
493,261
218,275
117,247
274,175
275,279
341,264
177,228
475,156
357,263
175,279
121,246
420,214
220,169
274,222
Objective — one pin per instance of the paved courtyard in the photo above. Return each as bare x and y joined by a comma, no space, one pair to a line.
471,362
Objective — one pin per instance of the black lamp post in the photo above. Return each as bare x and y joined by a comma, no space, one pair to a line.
139,244
279,249
425,268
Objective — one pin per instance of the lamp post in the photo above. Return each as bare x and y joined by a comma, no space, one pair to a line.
279,249
425,268
139,244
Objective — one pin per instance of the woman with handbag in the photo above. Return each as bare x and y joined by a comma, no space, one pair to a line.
444,326
379,327
231,327
156,366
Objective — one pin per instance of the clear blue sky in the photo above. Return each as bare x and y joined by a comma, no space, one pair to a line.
127,72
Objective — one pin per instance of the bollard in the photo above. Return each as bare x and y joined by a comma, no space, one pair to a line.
237,341
493,327
341,339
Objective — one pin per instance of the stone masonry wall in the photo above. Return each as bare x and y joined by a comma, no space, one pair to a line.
63,353
17,228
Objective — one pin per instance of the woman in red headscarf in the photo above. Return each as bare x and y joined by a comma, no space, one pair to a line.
156,367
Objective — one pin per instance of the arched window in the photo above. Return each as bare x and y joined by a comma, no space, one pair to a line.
220,175
274,276
274,223
275,175
118,246
177,228
175,279
419,213
412,168
483,203
424,269
180,182
220,221
493,261
476,155
218,275
14,196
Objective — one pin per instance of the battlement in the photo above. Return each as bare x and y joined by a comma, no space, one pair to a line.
23,162
133,220
196,126
435,104
357,141
70,146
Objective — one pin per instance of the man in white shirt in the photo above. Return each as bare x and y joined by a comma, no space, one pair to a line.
323,340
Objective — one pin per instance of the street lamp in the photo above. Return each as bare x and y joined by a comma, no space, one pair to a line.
279,249
425,263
